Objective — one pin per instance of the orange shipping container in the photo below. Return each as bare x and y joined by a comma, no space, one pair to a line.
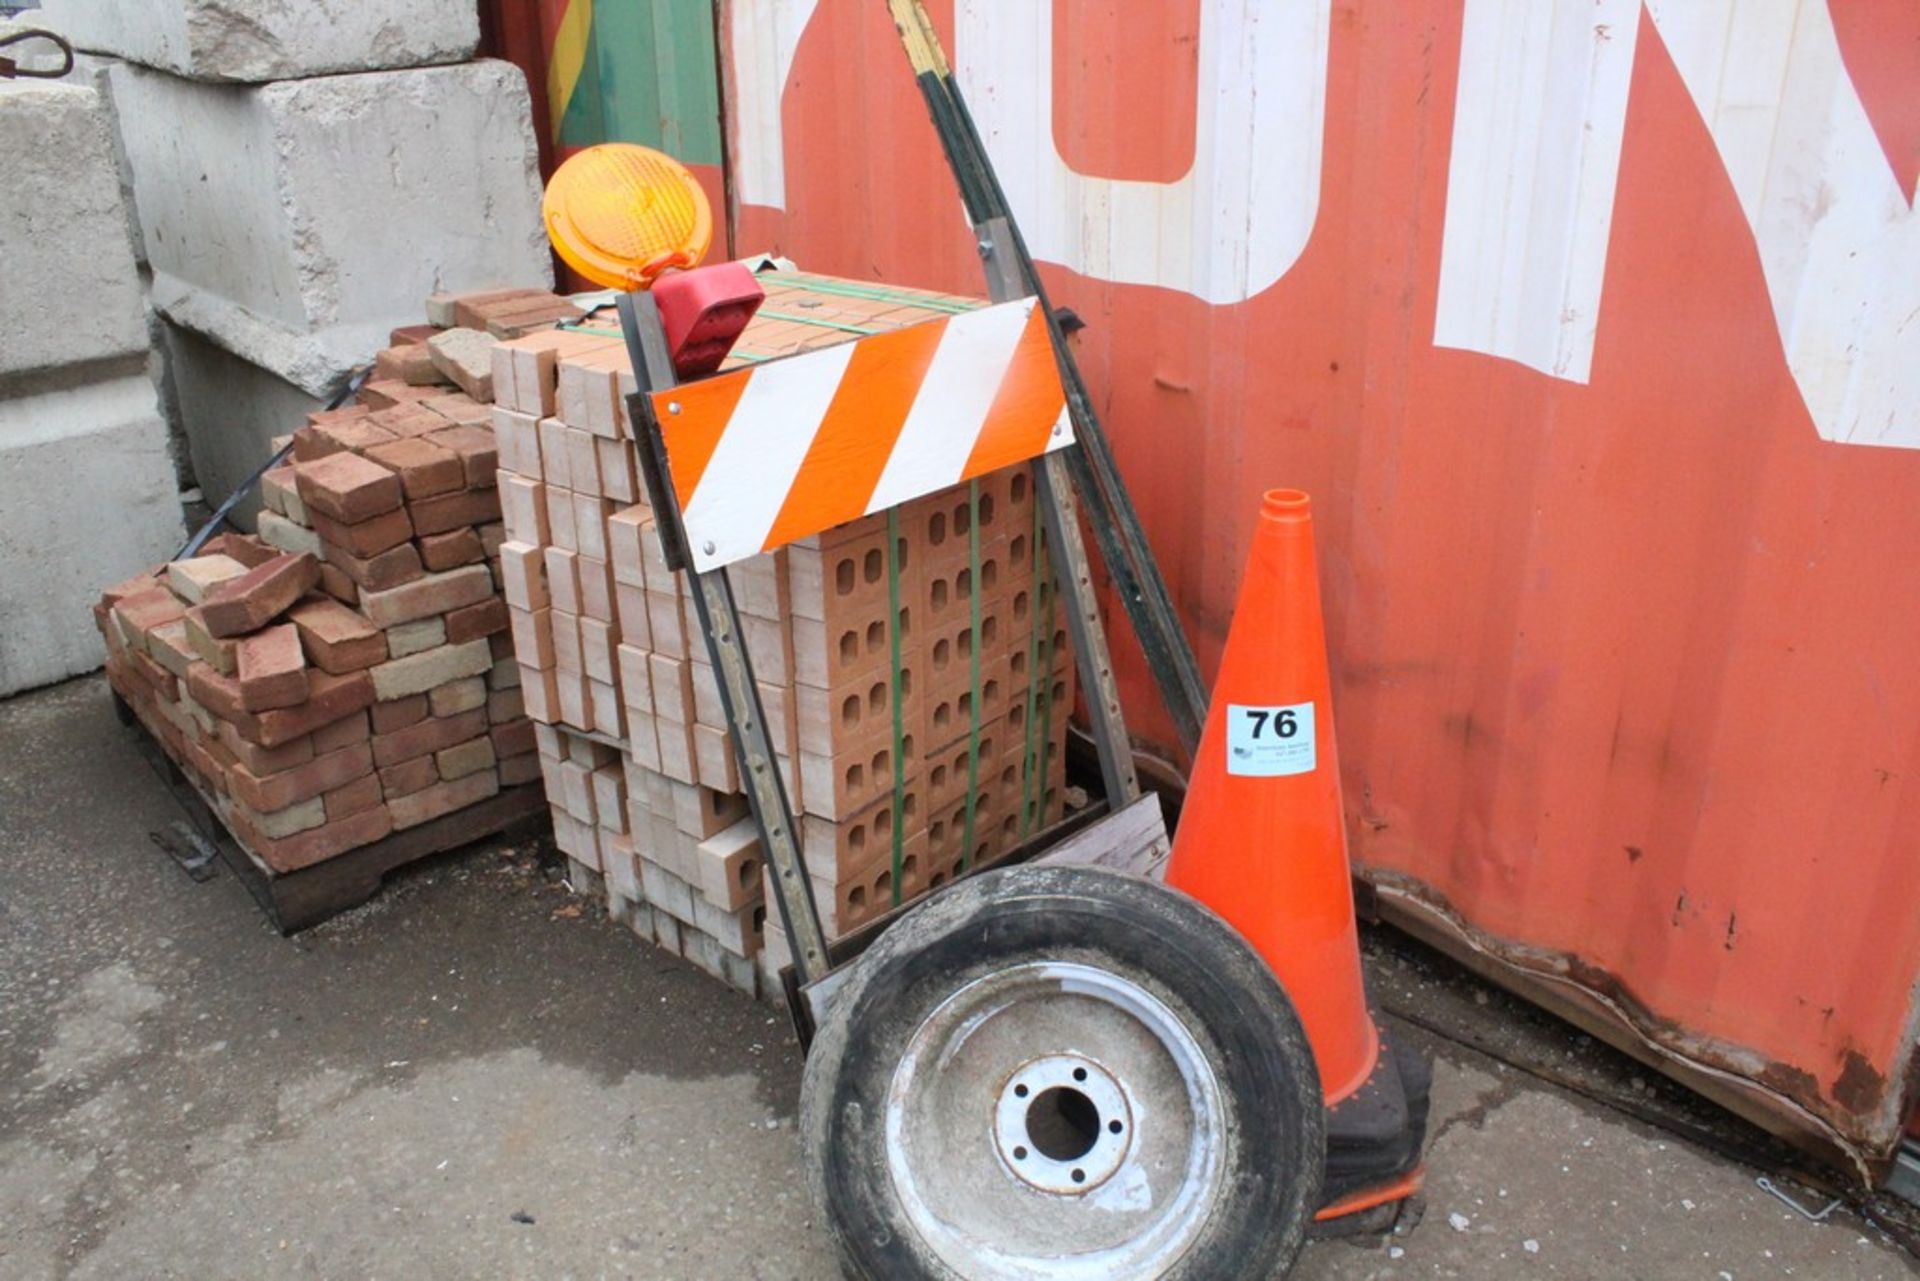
1593,326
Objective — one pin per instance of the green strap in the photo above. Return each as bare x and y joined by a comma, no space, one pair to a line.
872,293
899,727
1033,679
814,320
1044,593
751,357
973,669
1045,731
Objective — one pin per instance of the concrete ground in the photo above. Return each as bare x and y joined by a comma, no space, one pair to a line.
478,1075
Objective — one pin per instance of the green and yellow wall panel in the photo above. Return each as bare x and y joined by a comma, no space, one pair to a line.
640,71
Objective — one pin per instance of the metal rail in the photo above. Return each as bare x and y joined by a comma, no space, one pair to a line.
1116,525
726,647
1054,489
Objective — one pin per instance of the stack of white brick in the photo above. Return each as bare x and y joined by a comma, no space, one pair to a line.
639,764
87,488
302,179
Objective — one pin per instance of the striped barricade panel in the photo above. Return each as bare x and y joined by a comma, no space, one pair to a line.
765,455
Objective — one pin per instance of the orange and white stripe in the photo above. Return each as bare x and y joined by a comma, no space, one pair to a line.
765,455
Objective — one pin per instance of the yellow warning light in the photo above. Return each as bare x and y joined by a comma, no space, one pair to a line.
621,214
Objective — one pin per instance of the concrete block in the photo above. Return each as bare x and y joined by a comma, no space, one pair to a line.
258,40
96,73
270,213
231,410
72,292
98,448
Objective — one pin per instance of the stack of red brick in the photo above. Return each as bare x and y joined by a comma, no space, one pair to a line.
347,672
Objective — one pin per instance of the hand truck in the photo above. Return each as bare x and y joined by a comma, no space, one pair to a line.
1057,1066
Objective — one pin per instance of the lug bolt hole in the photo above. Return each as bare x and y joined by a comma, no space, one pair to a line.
1114,1127
1079,1074
1079,1176
1020,1091
1019,1154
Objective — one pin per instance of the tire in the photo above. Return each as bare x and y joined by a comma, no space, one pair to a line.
968,1107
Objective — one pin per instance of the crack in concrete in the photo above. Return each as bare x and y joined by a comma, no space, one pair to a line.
1475,1116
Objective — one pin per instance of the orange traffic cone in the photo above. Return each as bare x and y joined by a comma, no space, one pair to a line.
1261,838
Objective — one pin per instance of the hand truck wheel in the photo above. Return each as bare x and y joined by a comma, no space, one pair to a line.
1063,1072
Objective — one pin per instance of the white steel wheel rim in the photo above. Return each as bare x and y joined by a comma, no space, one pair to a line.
1055,1120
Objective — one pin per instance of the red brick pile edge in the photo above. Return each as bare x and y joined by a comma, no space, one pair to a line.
347,671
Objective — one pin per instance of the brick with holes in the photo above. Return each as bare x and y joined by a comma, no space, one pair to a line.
728,864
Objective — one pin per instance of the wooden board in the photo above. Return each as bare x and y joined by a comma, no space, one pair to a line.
295,901
1133,840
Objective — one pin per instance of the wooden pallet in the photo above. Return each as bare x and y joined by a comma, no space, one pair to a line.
295,901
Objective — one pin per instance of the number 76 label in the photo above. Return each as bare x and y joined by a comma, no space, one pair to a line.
1270,742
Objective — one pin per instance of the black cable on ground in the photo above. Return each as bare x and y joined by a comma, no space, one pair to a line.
355,381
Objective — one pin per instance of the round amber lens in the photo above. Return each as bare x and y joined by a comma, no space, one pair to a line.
620,214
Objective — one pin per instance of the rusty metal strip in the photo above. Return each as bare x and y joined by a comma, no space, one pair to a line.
1545,980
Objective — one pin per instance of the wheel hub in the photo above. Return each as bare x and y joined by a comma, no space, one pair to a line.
1055,1120
1063,1124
